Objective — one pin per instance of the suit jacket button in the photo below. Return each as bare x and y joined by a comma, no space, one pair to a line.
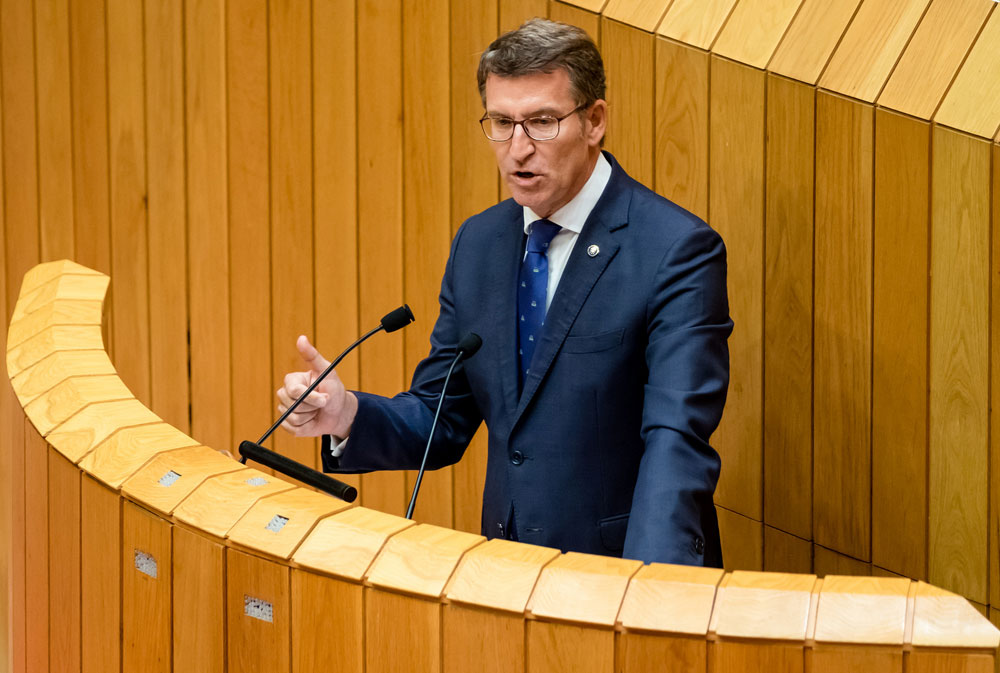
500,530
517,457
699,546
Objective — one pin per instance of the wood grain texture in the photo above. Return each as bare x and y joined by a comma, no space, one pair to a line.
742,540
46,374
345,544
55,338
253,644
968,105
193,466
788,306
93,424
311,598
869,610
199,619
994,512
407,630
499,574
87,287
763,605
930,661
146,600
12,488
515,12
57,312
737,127
868,51
643,653
642,14
733,656
927,67
754,30
811,38
576,16
582,588
899,361
828,562
100,577
218,503
843,326
628,60
64,564
681,125
120,455
553,647
959,361
691,589
208,226
786,553
695,22
854,658
942,619
53,408
301,507
420,559
495,641
36,551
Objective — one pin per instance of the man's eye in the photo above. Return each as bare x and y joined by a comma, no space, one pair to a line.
502,123
543,122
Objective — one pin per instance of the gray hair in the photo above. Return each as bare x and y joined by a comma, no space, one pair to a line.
543,46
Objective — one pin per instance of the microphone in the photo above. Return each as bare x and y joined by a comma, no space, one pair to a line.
296,470
466,348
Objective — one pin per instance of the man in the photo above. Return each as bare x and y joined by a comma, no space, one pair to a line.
604,319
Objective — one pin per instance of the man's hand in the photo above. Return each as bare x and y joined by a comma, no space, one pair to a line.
329,409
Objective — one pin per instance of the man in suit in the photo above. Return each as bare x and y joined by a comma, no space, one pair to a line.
604,318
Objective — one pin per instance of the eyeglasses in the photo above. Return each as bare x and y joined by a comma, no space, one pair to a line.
501,129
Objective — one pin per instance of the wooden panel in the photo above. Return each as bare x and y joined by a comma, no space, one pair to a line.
628,59
55,338
312,598
420,559
994,514
128,449
36,551
696,22
929,661
565,647
754,29
12,488
959,363
742,541
93,424
843,326
205,142
146,600
473,188
301,509
641,653
291,156
495,641
64,402
969,104
88,68
660,584
165,122
254,644
871,46
942,619
899,357
864,610
55,146
642,14
737,213
811,38
732,657
156,488
248,170
499,574
788,306
100,577
927,67
129,227
407,631
346,544
56,368
198,603
64,564
590,22
841,658
427,230
380,217
582,588
57,312
515,12
786,553
763,605
829,562
221,501
681,126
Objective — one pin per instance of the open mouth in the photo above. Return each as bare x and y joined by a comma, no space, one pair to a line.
524,174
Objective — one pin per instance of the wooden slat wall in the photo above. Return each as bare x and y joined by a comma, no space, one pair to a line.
250,170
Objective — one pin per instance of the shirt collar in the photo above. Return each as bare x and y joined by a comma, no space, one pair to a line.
574,214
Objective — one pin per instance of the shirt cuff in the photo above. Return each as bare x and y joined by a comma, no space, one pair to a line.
337,445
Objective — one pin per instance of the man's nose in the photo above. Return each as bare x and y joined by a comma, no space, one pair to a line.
521,146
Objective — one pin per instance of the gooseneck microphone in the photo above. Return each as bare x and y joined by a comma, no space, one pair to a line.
392,321
466,348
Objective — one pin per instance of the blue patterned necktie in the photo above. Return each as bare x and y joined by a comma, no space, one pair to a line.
531,291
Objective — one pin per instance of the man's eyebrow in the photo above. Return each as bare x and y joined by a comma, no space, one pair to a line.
541,112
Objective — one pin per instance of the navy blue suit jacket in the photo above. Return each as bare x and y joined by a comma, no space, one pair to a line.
606,450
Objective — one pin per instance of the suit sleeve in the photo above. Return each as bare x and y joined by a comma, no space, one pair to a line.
673,517
391,433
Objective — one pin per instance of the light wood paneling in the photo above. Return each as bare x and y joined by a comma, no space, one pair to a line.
754,30
737,213
788,306
959,364
927,67
628,58
970,104
11,542
146,598
681,121
408,629
843,326
254,644
36,551
590,5
994,513
208,227
566,647
199,618
312,596
100,577
590,22
642,14
696,22
786,553
641,653
733,656
828,562
811,38
493,640
64,563
899,356
742,541
515,12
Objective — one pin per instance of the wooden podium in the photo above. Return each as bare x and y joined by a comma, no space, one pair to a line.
145,551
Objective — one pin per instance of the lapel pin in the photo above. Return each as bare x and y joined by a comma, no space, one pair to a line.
593,250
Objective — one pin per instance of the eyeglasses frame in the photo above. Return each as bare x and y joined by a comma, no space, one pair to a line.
524,128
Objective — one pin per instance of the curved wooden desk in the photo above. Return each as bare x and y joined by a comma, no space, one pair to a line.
163,554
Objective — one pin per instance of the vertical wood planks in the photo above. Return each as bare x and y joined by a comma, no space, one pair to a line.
312,596
248,129
786,553
842,326
147,576
628,60
253,642
643,14
754,30
681,125
696,22
590,22
64,563
100,577
899,356
553,647
737,213
129,250
742,540
994,511
36,550
970,104
515,12
811,38
407,631
959,361
165,159
11,559
291,198
198,630
426,190
208,230
494,640
788,306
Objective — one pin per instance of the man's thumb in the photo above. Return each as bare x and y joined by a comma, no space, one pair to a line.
312,357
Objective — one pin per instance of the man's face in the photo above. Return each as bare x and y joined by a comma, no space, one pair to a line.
544,174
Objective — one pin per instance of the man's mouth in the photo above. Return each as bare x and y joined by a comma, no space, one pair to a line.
524,174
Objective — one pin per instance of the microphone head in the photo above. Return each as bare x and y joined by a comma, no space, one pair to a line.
398,319
469,344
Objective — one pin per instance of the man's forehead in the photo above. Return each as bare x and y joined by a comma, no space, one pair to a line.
535,93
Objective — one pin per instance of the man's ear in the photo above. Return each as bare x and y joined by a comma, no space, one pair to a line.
597,116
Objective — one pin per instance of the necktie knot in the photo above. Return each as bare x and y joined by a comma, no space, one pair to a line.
542,233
